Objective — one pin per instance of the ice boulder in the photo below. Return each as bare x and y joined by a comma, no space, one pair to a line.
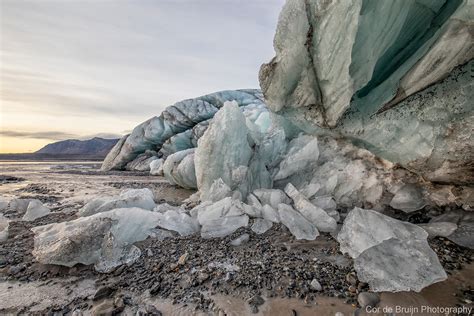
408,198
223,226
35,210
315,215
302,155
222,149
142,162
4,222
271,197
104,239
395,265
179,169
261,225
141,198
156,167
299,226
389,255
179,222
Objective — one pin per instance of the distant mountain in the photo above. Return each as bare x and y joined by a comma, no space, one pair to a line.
96,146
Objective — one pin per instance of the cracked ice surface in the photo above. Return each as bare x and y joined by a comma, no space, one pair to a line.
104,239
389,255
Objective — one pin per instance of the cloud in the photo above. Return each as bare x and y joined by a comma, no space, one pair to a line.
55,135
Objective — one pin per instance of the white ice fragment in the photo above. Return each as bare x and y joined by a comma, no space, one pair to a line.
141,198
4,222
180,222
408,198
219,209
4,204
222,149
270,214
317,216
223,226
389,254
443,229
164,207
303,152
296,223
104,239
218,191
179,169
363,229
310,190
261,225
156,167
240,240
19,205
272,197
252,200
395,265
35,210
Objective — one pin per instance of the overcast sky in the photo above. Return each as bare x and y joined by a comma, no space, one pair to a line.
74,68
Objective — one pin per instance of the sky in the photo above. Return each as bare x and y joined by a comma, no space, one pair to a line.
85,68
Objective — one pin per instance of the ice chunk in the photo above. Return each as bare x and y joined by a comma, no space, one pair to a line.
398,265
317,216
156,167
142,162
164,207
180,222
443,229
252,200
4,222
303,152
19,205
389,254
310,190
240,240
272,197
222,149
179,169
218,191
270,214
222,208
4,204
35,210
408,198
141,198
261,225
104,239
363,229
296,223
223,226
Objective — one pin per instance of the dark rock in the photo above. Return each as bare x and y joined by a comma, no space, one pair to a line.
368,299
103,292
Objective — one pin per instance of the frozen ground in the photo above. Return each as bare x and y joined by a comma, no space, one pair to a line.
271,274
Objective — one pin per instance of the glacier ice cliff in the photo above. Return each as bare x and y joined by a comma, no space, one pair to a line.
394,76
172,122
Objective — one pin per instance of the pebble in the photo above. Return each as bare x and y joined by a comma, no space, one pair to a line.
182,259
315,285
368,299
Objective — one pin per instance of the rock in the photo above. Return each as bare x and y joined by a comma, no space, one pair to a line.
242,239
315,285
443,229
368,299
389,255
182,259
374,86
103,292
315,215
104,239
408,198
152,310
35,210
156,167
261,225
141,198
299,226
107,307
256,300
